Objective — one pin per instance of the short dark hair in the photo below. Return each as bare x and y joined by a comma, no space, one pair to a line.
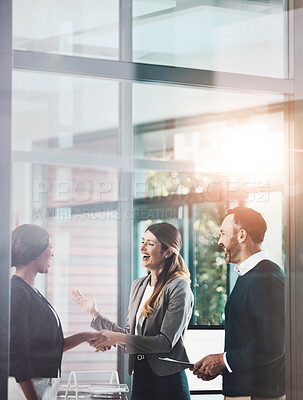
250,220
28,242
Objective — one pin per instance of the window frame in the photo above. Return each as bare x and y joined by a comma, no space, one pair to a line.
126,71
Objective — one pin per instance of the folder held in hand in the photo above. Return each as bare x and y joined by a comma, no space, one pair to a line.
181,363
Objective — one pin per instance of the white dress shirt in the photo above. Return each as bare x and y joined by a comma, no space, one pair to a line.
242,269
139,317
250,262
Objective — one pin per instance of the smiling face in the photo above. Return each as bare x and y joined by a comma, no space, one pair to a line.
229,240
43,262
153,257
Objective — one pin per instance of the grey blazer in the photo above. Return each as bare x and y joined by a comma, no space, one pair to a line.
163,331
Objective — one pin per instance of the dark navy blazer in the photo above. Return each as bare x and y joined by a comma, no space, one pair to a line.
254,334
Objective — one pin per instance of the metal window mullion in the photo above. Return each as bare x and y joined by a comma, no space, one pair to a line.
125,221
46,157
294,272
125,31
149,73
192,256
125,177
288,9
5,186
289,245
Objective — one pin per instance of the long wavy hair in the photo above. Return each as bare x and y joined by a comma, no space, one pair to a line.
174,267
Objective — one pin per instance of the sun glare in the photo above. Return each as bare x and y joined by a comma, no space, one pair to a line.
248,149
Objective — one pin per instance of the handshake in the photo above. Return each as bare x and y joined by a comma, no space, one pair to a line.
104,339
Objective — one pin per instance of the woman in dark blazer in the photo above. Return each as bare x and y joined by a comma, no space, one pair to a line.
37,341
159,311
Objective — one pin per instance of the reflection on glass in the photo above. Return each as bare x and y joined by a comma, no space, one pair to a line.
81,27
230,36
210,131
221,149
73,187
64,114
85,257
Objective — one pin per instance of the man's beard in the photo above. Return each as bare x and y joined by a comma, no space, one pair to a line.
232,251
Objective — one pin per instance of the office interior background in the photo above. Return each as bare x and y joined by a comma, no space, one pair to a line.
118,114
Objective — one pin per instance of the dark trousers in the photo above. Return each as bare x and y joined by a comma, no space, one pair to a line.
149,386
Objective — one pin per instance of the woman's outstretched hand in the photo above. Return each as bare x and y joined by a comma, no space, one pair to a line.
88,305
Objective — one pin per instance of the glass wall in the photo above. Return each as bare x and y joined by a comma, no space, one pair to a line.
62,133
200,152
101,153
232,146
80,28
64,115
246,37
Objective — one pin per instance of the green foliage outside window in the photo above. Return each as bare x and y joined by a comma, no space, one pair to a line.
210,265
209,269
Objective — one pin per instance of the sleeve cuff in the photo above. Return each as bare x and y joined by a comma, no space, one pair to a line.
96,323
226,363
94,319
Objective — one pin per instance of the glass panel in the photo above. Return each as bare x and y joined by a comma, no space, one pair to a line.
230,36
64,115
82,221
69,120
220,149
87,28
210,131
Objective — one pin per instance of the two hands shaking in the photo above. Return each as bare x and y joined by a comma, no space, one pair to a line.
208,368
104,339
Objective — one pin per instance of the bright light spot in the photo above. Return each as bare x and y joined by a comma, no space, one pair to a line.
241,150
249,149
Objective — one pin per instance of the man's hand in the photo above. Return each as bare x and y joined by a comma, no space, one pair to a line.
209,367
205,377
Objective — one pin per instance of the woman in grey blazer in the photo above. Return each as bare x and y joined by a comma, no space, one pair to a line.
160,308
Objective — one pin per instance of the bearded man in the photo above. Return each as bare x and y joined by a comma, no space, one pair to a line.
253,361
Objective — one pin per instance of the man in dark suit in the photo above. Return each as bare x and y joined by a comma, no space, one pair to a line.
253,362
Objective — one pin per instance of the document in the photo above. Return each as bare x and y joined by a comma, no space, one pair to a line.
182,363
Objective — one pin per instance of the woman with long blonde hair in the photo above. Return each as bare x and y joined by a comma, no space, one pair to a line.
160,308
